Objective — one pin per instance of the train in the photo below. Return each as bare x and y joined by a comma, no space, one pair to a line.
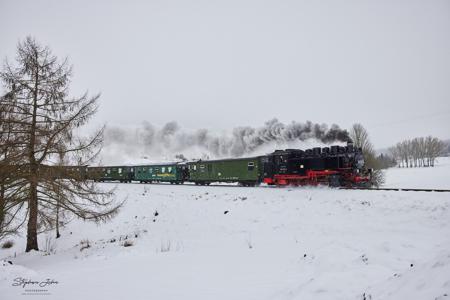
334,166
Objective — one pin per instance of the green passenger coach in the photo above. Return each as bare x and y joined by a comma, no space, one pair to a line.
115,173
246,171
173,173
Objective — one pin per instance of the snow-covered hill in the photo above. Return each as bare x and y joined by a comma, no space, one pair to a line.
229,242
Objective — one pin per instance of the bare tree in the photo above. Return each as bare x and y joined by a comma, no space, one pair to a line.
48,118
435,148
395,153
418,152
361,139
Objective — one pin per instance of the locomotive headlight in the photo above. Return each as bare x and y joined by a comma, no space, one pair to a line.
302,166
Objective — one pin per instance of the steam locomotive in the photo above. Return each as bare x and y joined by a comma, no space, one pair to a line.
334,166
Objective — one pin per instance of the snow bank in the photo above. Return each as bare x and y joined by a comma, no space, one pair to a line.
229,242
437,177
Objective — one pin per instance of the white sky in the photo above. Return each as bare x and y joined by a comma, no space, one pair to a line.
220,64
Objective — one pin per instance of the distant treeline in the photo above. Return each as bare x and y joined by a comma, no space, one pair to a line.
417,152
447,148
385,161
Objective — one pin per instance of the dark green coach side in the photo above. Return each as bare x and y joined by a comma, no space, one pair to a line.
173,173
246,171
111,173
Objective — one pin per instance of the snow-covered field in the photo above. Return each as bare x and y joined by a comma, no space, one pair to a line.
437,177
229,242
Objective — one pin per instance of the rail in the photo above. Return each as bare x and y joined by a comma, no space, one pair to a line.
396,189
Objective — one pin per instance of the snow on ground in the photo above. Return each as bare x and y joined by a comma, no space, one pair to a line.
229,242
437,177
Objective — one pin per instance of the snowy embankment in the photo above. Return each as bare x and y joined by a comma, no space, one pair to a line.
228,242
437,177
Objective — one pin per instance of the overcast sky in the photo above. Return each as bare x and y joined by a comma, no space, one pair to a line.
220,64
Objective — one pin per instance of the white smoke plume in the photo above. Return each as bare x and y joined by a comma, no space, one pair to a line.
150,144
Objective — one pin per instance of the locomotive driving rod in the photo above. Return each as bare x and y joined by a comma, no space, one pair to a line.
396,189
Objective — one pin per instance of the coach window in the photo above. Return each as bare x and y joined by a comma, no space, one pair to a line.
194,167
150,170
120,171
109,171
169,169
251,166
163,169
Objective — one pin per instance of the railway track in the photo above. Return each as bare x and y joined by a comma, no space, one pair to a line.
396,189
341,188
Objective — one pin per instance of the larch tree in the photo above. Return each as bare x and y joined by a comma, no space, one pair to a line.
47,126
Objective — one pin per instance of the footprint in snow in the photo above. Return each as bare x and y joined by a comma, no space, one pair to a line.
367,297
364,259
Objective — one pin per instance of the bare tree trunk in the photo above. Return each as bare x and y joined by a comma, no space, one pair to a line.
58,235
2,206
32,242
